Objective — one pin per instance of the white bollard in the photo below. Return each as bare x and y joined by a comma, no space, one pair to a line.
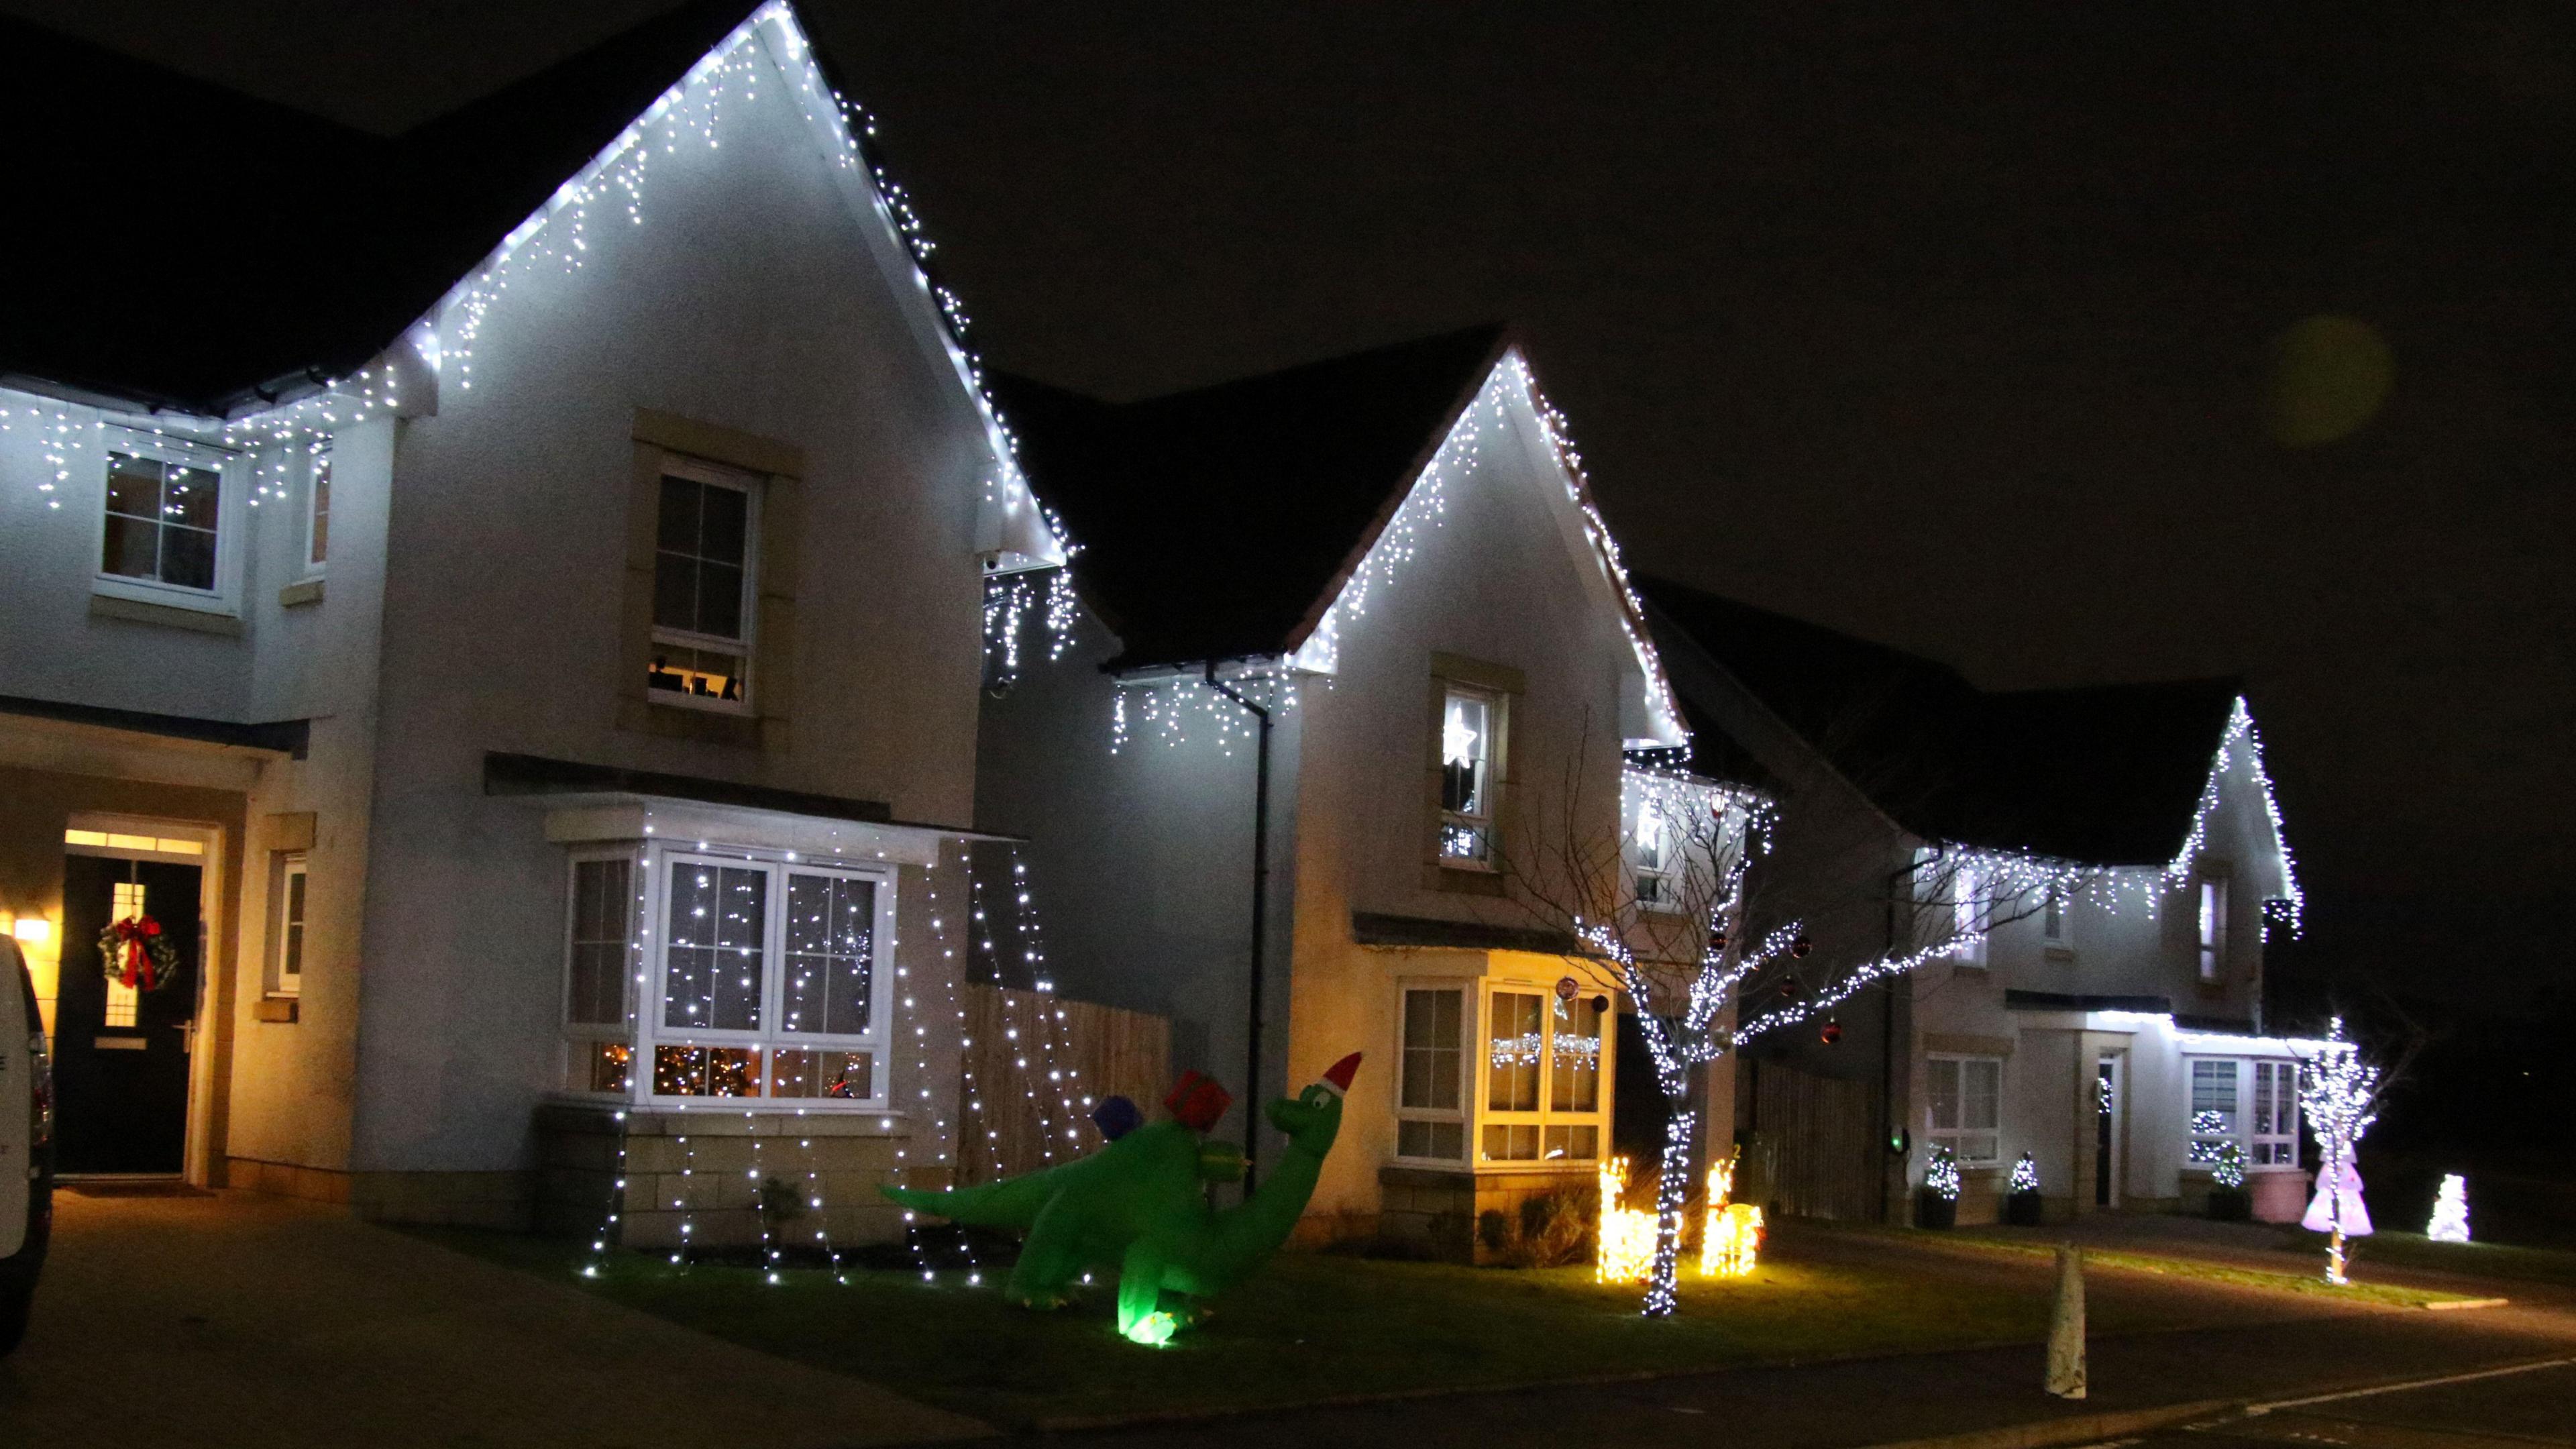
2066,1326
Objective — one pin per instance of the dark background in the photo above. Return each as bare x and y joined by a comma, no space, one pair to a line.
1947,324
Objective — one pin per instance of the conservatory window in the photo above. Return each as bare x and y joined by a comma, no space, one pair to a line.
1542,1080
597,974
1470,720
1430,1113
2275,1119
1964,1106
704,582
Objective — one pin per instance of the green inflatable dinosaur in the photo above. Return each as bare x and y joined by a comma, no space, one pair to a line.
1138,1203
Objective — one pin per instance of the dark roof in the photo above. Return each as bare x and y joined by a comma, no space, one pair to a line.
200,245
2107,775
1219,523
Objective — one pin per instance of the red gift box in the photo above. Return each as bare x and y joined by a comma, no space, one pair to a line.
1198,1101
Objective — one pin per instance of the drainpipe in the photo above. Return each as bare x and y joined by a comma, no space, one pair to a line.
1260,923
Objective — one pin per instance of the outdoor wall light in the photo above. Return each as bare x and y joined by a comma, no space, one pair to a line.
34,930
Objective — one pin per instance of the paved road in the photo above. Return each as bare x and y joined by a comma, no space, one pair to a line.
237,1320
2511,1409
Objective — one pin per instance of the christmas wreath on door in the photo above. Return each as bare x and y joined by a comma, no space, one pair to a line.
138,953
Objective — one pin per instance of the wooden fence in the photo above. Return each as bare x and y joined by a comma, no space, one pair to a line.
1816,1138
1033,1067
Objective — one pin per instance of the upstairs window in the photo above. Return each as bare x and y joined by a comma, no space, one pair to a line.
317,513
703,587
2055,927
1469,722
1963,1110
162,522
1654,854
2210,931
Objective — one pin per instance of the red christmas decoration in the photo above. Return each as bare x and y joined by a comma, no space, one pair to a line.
1198,1101
138,954
1832,1031
1801,946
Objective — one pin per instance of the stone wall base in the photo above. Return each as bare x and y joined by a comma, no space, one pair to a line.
697,1177
1437,1211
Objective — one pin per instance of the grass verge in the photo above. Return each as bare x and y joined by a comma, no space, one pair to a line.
2202,1270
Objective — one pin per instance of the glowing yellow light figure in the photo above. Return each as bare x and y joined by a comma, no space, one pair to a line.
1731,1238
1627,1236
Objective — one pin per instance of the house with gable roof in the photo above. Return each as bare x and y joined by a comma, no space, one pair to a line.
503,601
2112,861
1349,637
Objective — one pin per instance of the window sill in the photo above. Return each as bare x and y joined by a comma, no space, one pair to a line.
285,1010
2061,954
301,592
706,726
1474,880
209,618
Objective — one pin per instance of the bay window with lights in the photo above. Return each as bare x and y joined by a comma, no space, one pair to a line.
2254,1104
694,975
1963,1107
1532,1096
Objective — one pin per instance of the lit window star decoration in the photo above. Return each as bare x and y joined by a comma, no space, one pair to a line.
2450,1222
2339,1092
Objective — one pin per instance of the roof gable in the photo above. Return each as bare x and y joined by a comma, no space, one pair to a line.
2104,775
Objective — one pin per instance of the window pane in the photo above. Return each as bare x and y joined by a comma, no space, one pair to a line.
1465,749
675,592
320,550
598,1066
1512,1083
1431,1049
1942,1082
188,558
189,496
698,673
1511,1142
1982,1102
1572,1143
677,531
1574,1077
714,943
133,486
724,514
831,933
719,600
846,1076
685,1071
132,548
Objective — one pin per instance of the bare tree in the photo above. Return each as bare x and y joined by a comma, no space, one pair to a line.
1669,907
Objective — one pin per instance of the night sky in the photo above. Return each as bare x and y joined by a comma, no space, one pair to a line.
1955,326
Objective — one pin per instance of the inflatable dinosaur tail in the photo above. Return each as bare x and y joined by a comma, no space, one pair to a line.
1013,1204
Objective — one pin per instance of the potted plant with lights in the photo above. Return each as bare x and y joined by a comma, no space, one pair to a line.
2229,1202
1937,1205
2021,1195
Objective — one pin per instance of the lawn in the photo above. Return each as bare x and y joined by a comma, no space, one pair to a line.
2480,1260
2203,1270
1315,1326
1308,1327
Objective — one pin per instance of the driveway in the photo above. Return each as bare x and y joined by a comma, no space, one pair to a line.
239,1320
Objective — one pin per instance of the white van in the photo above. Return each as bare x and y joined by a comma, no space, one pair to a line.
26,1145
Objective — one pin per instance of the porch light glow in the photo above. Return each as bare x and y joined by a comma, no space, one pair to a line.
34,930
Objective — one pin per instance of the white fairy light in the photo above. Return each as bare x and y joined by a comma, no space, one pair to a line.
2339,1093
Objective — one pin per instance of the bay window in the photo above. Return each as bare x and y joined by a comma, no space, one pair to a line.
768,978
2252,1103
1963,1107
1542,1074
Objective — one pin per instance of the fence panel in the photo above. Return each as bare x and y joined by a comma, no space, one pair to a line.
1034,1065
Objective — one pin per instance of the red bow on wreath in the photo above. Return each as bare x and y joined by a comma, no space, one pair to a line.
138,954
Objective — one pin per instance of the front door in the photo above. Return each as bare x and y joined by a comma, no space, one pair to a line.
120,1055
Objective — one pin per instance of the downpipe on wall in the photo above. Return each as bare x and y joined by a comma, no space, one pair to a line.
1260,926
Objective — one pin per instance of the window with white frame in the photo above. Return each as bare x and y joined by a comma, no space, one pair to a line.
1470,730
1654,851
2216,1113
599,974
2210,928
288,979
704,585
773,980
163,520
2056,920
1430,1104
1952,891
2273,1126
1542,1069
1963,1106
317,513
